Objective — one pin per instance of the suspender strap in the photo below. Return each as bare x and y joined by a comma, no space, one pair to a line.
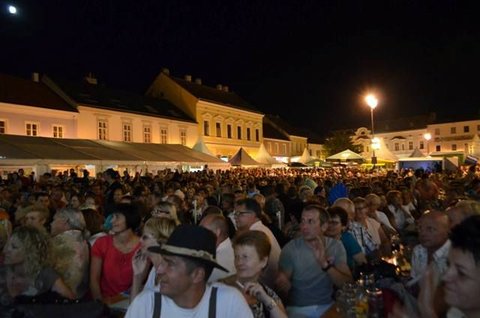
212,308
157,305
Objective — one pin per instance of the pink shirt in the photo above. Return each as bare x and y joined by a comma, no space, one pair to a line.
117,272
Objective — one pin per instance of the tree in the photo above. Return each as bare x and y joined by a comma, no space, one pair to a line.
338,141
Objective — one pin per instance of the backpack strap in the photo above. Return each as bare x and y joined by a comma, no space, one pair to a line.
212,308
157,305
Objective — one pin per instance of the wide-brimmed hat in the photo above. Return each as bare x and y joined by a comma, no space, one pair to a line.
191,241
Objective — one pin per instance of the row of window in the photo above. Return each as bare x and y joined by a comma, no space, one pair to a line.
102,133
453,130
218,131
32,129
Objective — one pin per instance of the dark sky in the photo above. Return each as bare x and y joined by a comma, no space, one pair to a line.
308,61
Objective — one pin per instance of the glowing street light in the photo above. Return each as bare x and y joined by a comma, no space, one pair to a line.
12,10
372,102
427,136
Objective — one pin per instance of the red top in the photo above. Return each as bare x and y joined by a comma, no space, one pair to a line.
117,272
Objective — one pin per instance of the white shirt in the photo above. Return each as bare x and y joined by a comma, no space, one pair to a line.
230,303
268,278
382,218
226,259
402,217
420,261
150,283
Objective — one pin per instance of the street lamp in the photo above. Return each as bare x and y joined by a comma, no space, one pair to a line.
427,137
372,102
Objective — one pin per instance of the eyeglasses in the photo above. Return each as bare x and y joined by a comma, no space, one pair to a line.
158,211
238,213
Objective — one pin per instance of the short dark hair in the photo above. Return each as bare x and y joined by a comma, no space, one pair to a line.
257,239
132,217
194,263
252,205
466,236
322,212
340,212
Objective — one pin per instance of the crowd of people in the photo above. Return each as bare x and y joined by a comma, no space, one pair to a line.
242,242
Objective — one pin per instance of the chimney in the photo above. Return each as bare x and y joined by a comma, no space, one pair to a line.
225,88
91,79
36,77
165,71
219,87
188,78
198,81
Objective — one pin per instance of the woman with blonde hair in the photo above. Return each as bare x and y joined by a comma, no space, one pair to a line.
165,210
156,231
28,270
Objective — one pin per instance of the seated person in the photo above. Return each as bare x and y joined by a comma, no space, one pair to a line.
251,249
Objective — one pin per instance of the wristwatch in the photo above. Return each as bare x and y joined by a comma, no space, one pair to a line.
271,305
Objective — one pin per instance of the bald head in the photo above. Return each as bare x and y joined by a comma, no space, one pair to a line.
217,224
433,230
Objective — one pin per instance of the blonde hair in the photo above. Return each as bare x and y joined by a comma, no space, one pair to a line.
35,245
170,207
161,228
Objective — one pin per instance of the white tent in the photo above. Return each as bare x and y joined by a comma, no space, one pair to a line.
202,147
382,153
416,154
264,157
305,157
242,158
345,156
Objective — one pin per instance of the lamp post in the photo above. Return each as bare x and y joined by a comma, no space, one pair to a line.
372,102
427,137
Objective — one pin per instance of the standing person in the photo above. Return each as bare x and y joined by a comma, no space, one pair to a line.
188,259
111,267
247,217
224,251
310,265
111,178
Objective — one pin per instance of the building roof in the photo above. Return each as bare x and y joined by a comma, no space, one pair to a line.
281,124
215,95
404,123
20,91
100,96
270,131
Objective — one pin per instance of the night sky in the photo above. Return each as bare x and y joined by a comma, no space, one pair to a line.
308,61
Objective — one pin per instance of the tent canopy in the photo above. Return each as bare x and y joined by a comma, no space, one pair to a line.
382,153
200,146
416,154
345,155
305,157
13,147
264,157
242,158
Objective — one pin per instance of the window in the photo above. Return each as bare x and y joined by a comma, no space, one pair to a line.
257,134
454,147
218,129
206,128
102,130
478,127
466,129
403,146
248,134
3,126
437,131
127,132
438,148
421,145
147,134
229,131
410,145
239,132
397,146
277,149
453,130
57,131
269,146
31,129
284,149
163,135
183,136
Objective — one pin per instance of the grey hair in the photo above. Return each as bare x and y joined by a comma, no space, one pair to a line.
74,218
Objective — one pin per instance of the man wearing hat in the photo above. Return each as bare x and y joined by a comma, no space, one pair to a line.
188,259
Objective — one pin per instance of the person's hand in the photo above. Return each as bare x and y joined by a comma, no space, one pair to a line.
256,290
140,263
426,296
318,249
